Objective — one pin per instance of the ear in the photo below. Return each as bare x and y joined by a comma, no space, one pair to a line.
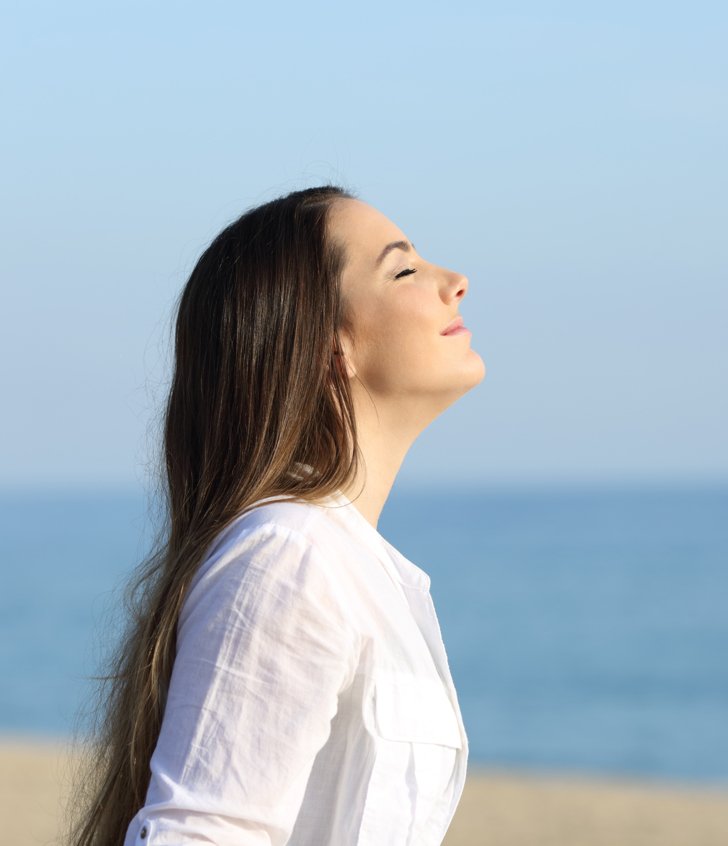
343,353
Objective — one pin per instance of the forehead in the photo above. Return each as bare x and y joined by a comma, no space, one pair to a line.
362,229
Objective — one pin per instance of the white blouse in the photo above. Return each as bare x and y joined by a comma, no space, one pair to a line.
311,702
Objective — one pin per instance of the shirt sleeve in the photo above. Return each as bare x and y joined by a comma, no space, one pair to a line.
263,650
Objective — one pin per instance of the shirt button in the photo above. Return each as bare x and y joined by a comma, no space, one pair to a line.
143,832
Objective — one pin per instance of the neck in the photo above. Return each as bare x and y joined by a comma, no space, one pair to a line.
384,436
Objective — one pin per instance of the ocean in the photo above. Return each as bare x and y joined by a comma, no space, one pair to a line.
586,628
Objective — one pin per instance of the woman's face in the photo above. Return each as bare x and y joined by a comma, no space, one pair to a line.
398,306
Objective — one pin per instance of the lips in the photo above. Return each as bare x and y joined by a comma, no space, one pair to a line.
453,326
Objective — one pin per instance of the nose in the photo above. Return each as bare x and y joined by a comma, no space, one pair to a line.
454,286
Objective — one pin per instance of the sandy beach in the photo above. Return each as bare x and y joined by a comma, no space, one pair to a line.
497,808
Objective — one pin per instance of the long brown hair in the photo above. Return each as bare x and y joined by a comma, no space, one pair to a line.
257,390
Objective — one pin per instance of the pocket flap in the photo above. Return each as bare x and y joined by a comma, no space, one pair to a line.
415,710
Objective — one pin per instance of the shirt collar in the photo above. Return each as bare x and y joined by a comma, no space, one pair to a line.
345,510
400,568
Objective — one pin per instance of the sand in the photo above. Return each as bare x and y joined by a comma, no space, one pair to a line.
497,808
507,809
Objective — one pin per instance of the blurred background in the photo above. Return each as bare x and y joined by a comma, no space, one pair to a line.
572,510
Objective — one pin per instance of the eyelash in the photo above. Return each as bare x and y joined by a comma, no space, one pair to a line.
405,272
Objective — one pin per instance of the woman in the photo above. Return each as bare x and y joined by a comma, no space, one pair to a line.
284,679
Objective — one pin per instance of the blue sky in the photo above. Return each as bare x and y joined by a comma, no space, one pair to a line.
571,160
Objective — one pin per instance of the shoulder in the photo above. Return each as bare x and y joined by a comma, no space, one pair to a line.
265,583
300,525
273,544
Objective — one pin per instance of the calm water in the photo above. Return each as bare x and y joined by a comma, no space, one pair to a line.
587,630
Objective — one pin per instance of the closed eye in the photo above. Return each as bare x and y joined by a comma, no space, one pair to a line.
405,272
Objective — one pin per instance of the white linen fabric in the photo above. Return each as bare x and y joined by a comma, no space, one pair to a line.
311,702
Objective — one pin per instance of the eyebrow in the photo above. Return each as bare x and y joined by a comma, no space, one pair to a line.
395,245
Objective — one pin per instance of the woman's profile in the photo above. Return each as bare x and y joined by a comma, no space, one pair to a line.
282,679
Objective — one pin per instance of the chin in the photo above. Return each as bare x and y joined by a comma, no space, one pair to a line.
476,366
469,378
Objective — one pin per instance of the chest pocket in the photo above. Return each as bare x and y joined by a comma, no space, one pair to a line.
414,710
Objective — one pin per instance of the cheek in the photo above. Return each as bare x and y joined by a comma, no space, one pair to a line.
401,321
407,310
399,339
